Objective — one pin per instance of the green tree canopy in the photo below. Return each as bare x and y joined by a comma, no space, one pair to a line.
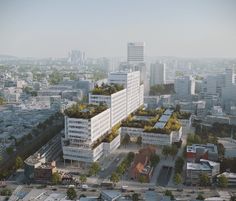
56,178
19,162
83,178
222,181
169,193
178,179
94,168
204,179
200,197
114,178
154,160
71,193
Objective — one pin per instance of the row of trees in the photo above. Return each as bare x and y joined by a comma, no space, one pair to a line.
121,169
179,164
44,135
170,150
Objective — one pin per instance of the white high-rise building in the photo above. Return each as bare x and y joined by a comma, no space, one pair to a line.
88,132
135,52
184,87
229,77
130,81
157,74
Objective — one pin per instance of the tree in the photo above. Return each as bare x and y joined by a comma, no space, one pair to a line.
135,197
178,179
9,150
126,139
114,178
142,179
19,162
83,179
56,178
222,181
71,193
94,168
204,179
5,192
154,160
169,193
200,197
166,151
179,163
173,150
139,141
193,139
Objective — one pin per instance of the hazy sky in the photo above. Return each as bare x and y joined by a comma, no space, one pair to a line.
50,28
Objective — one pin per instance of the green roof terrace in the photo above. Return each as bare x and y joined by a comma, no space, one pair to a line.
84,111
106,89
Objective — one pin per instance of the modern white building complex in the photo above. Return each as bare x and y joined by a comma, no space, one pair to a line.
157,74
135,52
92,130
155,127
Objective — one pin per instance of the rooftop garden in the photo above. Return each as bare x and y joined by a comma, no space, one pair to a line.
109,137
84,111
132,122
148,112
183,115
171,125
107,89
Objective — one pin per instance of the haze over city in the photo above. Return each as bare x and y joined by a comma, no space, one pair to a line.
123,100
170,28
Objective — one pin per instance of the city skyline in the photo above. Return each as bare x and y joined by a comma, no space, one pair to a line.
182,29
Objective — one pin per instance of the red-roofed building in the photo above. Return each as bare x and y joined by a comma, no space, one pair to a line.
141,165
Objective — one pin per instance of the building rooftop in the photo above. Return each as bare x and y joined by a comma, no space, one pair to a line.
203,165
202,148
107,89
84,111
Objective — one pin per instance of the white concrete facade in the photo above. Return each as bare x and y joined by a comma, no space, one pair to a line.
115,101
153,138
134,91
81,135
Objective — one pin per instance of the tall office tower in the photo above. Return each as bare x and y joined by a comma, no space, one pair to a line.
184,86
130,81
229,77
135,52
76,57
214,84
157,74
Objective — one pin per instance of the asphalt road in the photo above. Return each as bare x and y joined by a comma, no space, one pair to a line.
164,176
112,167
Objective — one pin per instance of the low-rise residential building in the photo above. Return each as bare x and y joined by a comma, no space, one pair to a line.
194,170
42,160
141,165
196,152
